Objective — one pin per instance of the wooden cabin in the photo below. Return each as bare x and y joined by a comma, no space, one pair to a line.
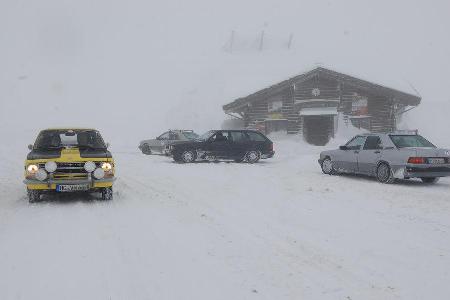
311,104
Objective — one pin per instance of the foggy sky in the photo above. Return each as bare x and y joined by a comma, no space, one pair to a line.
144,66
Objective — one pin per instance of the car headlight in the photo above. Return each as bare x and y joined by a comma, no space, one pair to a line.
99,173
51,166
41,175
32,169
106,166
89,166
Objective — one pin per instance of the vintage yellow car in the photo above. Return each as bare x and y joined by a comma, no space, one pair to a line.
69,160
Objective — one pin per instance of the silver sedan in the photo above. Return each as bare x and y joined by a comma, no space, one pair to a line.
388,157
161,144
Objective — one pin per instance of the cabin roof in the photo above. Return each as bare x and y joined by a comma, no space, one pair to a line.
402,97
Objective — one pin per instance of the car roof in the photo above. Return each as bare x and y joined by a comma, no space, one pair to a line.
68,128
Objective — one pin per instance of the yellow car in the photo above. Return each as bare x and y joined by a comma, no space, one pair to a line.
69,160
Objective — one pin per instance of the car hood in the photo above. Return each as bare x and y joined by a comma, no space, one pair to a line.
187,143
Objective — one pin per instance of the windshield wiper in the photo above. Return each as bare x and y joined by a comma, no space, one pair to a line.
49,147
91,147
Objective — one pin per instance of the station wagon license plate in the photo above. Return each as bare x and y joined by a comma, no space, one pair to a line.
72,187
436,161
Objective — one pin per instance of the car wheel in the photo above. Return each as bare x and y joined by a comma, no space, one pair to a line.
327,166
107,193
188,156
33,196
429,180
384,173
252,156
146,149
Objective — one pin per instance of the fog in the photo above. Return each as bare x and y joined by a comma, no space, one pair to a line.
135,68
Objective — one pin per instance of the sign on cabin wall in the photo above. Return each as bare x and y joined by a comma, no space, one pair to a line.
360,105
275,116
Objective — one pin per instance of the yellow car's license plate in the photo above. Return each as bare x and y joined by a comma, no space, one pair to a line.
72,187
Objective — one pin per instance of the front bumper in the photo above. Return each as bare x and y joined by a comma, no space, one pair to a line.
50,185
422,171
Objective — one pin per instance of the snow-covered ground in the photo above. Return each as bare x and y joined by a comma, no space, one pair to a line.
279,229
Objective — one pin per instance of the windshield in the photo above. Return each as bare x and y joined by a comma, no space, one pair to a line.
56,139
206,135
190,135
411,141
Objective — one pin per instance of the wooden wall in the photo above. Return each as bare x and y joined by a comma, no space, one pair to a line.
380,108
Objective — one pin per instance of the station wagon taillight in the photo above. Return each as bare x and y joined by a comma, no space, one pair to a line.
416,160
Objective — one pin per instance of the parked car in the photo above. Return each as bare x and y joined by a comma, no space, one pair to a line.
388,157
238,145
160,145
69,160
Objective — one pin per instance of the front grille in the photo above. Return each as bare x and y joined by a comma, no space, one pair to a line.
70,171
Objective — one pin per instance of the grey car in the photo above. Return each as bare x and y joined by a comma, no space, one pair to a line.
388,157
161,144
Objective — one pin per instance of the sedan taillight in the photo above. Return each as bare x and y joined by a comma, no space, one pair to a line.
416,160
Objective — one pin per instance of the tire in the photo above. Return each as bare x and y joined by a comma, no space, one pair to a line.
146,149
327,166
252,156
107,193
33,196
188,156
429,180
384,174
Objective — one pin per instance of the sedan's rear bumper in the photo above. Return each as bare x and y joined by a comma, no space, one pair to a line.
423,171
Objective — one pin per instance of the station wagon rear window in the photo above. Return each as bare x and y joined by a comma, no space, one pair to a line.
256,137
411,141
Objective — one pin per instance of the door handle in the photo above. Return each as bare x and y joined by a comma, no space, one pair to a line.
378,151
356,151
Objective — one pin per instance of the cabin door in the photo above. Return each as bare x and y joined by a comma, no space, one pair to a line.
317,130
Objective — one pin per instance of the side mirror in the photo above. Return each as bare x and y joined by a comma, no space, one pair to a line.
107,145
343,147
30,147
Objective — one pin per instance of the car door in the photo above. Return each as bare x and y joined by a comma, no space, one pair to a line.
239,144
219,145
370,154
346,158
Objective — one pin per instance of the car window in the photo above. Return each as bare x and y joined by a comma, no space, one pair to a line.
220,136
415,141
238,137
256,136
164,136
356,143
173,136
373,143
190,135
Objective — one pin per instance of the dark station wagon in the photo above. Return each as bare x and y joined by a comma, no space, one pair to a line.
239,145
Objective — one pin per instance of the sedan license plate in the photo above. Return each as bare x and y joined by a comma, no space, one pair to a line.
436,161
72,187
